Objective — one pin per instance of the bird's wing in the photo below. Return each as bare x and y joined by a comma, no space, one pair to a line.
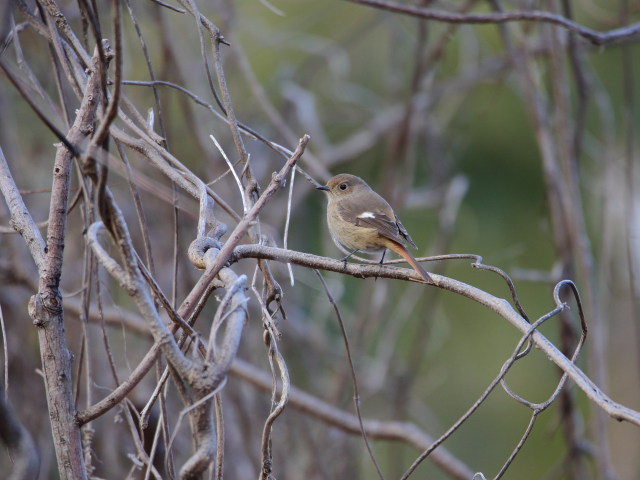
405,234
374,218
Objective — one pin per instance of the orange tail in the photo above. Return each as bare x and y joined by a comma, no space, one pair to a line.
400,250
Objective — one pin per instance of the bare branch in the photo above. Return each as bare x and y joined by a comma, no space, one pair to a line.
21,219
495,304
597,38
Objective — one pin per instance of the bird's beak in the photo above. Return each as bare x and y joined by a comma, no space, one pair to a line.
323,187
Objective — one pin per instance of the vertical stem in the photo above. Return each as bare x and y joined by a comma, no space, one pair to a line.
45,308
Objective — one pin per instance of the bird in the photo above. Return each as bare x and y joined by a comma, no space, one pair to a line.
360,220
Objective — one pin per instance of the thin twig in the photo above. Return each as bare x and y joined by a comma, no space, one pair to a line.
515,356
245,204
595,37
5,356
288,220
354,377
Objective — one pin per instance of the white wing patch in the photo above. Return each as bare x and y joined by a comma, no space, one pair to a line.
367,215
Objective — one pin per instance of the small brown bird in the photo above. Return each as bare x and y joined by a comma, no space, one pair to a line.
361,220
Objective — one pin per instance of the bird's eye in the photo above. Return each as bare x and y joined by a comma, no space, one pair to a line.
343,186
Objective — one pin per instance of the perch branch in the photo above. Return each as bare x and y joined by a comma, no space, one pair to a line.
498,305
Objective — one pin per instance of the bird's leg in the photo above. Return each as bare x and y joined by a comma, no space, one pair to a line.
384,252
344,259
